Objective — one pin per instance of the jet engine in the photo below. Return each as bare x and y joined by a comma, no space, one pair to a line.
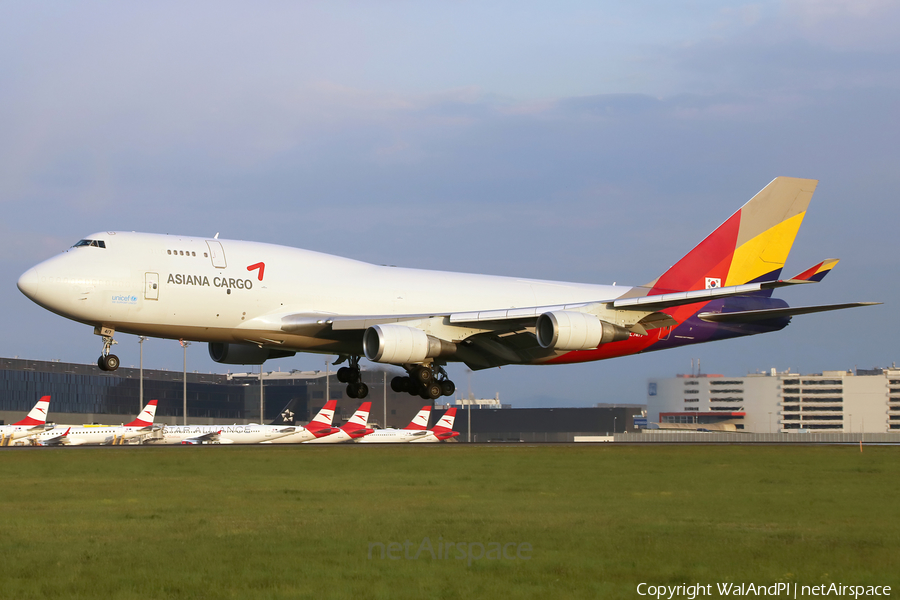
398,344
243,354
568,330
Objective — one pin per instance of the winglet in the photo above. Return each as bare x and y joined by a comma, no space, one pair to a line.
818,272
38,414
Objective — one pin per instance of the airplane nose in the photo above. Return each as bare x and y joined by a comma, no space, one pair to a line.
28,283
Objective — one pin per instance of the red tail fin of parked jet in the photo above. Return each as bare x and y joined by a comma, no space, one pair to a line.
357,425
321,424
420,421
38,414
444,428
145,419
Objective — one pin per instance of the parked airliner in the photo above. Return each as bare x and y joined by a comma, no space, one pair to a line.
71,435
319,427
356,427
255,301
221,434
442,431
28,427
416,431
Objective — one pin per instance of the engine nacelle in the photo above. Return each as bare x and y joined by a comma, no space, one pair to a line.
569,330
398,345
243,354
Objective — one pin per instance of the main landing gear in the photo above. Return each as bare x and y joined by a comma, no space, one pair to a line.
107,361
351,376
426,382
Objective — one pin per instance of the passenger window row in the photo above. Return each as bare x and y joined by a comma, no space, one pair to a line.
186,253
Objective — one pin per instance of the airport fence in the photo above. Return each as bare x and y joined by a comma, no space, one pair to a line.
772,438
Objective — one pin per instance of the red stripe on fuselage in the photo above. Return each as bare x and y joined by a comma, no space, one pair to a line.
633,345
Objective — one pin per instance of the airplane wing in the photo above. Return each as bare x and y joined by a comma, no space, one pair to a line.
492,338
744,316
212,436
55,439
312,323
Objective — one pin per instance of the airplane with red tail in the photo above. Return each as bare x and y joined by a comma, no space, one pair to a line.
252,302
33,424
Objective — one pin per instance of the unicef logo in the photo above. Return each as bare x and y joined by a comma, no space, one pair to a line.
124,299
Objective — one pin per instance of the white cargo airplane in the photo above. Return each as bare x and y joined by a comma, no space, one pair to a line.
255,301
91,435
319,427
30,426
416,431
356,427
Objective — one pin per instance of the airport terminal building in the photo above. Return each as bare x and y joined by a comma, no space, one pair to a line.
84,394
867,401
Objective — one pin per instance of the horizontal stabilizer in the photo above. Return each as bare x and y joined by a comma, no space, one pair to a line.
745,316
661,301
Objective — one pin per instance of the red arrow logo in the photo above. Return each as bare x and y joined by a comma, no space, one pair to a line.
260,266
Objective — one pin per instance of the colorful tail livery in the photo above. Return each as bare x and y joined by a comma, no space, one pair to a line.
722,288
751,246
419,320
28,427
444,428
145,419
420,421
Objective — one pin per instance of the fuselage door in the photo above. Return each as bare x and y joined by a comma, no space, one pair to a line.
151,286
216,254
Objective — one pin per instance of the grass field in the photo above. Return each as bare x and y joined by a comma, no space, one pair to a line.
302,522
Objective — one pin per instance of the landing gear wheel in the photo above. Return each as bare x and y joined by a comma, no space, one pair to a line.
422,374
343,375
110,362
432,391
447,387
357,390
399,384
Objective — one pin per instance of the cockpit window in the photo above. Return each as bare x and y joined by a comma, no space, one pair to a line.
94,243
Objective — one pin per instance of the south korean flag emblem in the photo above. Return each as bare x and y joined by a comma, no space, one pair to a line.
713,283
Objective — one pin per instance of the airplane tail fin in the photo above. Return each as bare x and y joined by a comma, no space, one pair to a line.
38,414
326,415
361,416
420,421
145,419
751,246
445,424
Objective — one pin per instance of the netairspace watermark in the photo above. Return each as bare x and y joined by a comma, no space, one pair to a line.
467,551
786,590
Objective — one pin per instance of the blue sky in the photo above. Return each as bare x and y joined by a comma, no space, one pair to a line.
591,142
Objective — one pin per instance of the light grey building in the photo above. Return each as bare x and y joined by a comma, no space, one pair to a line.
833,401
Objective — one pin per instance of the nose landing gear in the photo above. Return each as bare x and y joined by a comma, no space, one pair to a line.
429,383
107,361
